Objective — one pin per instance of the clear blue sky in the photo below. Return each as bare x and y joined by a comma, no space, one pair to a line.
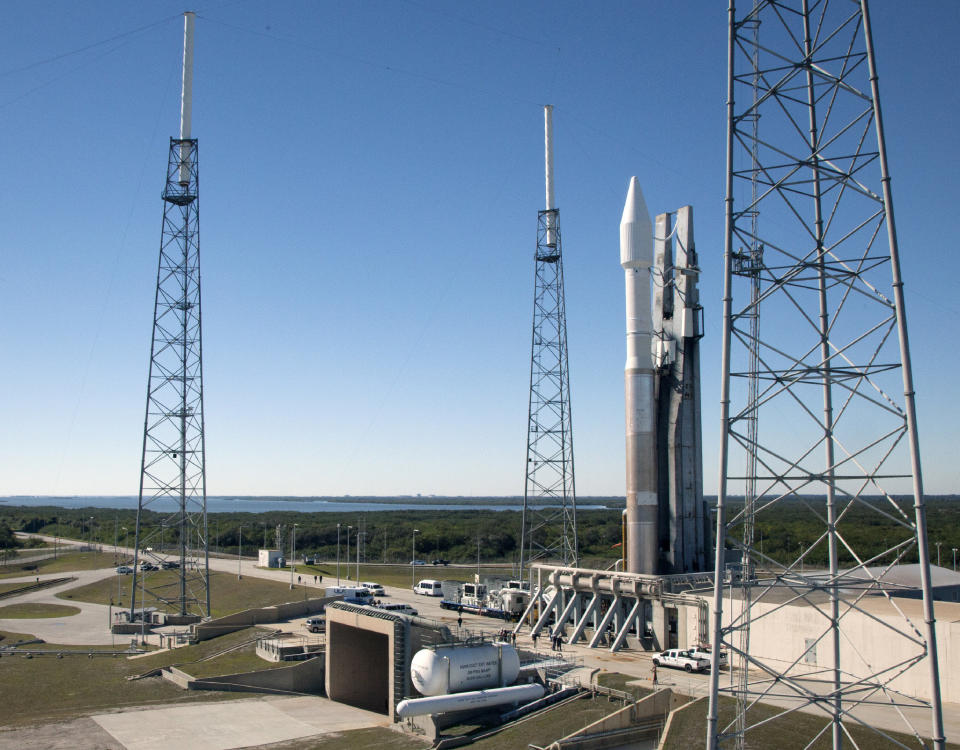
370,178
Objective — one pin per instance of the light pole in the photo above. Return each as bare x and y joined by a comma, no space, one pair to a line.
938,553
90,529
413,558
338,554
119,589
239,552
293,553
358,558
264,523
954,559
478,554
349,528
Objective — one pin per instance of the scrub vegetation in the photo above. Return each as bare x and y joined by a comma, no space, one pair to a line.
454,535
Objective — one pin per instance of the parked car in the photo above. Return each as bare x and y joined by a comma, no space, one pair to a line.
169,564
704,652
316,624
439,561
374,588
417,562
148,566
681,660
124,570
429,588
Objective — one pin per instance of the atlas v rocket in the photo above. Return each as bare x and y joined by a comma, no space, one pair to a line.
667,528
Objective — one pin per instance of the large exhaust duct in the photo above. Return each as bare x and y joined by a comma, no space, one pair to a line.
636,257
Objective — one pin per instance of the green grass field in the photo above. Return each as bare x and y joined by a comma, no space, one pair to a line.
227,593
792,732
69,561
551,724
47,688
30,611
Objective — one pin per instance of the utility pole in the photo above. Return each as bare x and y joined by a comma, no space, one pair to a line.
239,551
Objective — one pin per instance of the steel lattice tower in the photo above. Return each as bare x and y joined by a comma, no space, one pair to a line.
817,402
549,498
173,471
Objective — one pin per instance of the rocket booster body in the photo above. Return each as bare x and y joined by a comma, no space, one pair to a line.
636,258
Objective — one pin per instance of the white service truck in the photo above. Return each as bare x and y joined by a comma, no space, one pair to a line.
681,660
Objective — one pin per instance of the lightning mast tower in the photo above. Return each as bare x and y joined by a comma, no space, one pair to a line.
173,469
809,401
549,527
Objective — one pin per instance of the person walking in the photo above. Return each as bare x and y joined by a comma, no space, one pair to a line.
654,676
460,619
560,643
533,637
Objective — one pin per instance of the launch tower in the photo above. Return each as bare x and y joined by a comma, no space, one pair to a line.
817,401
173,498
549,530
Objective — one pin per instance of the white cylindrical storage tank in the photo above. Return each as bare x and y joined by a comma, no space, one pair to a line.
460,668
470,700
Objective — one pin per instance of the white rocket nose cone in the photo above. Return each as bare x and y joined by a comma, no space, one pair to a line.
636,230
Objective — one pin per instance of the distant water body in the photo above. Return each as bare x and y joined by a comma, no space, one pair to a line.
295,504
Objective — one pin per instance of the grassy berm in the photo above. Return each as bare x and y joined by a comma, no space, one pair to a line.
47,688
63,563
227,593
792,732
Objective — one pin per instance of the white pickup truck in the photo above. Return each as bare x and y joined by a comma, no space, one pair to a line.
681,660
703,652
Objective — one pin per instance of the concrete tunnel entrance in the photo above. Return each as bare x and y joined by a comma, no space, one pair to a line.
360,665
368,655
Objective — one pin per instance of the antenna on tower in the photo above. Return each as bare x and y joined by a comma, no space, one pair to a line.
548,176
549,525
173,464
186,97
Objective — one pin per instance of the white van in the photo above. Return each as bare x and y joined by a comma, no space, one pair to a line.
429,587
400,609
316,624
374,588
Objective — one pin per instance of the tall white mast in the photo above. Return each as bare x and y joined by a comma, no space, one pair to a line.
186,96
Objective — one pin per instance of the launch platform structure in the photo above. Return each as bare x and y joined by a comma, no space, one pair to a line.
173,492
549,525
814,354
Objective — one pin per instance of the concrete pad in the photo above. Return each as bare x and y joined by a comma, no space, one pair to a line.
234,724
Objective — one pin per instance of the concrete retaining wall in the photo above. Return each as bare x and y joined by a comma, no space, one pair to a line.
781,635
246,618
302,677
